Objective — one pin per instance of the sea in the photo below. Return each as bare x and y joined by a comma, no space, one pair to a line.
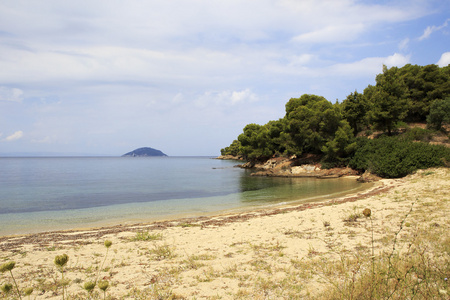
40,194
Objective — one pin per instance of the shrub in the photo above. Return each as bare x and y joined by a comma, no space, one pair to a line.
392,157
439,113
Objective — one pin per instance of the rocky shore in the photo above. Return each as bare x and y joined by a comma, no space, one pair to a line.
306,166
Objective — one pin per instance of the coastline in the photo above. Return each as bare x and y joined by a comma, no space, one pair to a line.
202,219
234,255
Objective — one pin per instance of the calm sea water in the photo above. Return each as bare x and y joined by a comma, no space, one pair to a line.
53,193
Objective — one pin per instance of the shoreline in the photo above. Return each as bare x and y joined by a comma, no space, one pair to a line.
105,220
214,219
284,252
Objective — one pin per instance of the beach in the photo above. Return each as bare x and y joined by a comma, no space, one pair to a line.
286,252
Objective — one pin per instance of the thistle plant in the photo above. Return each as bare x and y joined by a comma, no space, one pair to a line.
107,244
103,285
6,288
60,262
368,214
8,267
89,287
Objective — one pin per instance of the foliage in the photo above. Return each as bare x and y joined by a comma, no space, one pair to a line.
342,146
392,157
311,122
389,100
254,142
314,125
233,149
439,113
355,108
425,85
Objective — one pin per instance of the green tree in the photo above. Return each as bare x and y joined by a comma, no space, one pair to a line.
439,114
354,110
254,142
278,141
311,122
339,150
233,149
390,103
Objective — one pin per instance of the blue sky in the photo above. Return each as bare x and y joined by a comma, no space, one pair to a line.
185,76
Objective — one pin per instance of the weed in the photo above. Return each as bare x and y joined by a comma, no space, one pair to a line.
89,287
8,267
107,244
162,252
60,262
352,218
146,236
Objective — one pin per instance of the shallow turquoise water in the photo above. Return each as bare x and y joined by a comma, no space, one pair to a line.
41,194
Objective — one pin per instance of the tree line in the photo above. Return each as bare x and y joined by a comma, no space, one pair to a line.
338,132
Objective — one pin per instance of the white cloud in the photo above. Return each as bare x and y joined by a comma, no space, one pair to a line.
444,60
241,96
331,34
430,29
15,136
370,65
396,60
10,94
225,98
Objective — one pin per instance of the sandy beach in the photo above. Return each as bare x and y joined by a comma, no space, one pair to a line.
289,252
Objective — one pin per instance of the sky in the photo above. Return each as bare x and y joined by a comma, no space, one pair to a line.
185,76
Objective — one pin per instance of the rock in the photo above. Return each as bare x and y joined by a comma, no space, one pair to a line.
368,177
230,157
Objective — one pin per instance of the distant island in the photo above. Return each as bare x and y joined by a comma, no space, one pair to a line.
144,152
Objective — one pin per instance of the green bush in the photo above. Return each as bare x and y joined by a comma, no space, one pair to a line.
391,157
439,113
419,134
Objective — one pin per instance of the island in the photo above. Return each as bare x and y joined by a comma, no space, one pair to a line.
144,152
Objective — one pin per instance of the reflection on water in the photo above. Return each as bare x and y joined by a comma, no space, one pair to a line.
264,190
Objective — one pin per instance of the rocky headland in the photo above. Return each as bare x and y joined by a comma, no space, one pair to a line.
307,166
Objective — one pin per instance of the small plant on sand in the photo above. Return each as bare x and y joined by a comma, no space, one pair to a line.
60,262
162,252
6,288
368,214
103,285
146,236
352,218
89,287
9,266
107,244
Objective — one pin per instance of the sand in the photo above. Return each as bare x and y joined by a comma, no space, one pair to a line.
264,254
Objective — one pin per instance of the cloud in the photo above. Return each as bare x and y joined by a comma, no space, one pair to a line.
430,29
90,73
10,94
226,98
15,136
444,60
241,96
331,34
370,65
396,60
